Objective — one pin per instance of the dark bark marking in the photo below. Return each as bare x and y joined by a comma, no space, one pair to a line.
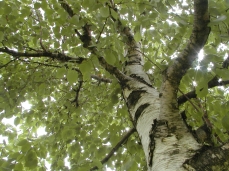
140,79
152,142
139,111
134,97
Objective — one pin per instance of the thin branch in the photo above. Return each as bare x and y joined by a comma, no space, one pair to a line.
101,31
116,147
71,13
226,62
77,90
189,101
96,77
54,55
41,30
212,83
192,94
101,79
5,65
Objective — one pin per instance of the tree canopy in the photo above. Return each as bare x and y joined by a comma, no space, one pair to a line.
48,59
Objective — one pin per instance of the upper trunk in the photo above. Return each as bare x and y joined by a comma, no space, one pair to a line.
165,139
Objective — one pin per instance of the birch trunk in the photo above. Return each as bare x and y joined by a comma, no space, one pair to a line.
166,141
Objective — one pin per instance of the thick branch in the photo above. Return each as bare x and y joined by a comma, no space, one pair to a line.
113,70
58,56
197,40
208,157
116,147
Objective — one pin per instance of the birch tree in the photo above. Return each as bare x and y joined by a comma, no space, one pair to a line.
114,85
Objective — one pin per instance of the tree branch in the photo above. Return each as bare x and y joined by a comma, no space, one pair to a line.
67,8
58,56
212,83
101,79
207,157
86,44
197,40
77,90
116,147
192,94
5,65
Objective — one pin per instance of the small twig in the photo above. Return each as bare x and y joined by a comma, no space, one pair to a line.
150,60
5,65
189,100
41,31
77,90
101,79
101,31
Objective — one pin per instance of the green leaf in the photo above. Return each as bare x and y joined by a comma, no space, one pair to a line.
223,73
86,68
72,76
74,20
225,122
227,2
104,12
31,160
23,142
60,72
109,56
114,14
218,20
1,36
17,121
18,167
97,163
202,91
137,36
37,5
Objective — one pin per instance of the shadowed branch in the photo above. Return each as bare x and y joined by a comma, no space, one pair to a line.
54,55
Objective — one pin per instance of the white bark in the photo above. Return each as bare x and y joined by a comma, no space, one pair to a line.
166,141
171,148
143,124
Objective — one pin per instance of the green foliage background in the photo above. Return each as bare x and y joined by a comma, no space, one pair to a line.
84,134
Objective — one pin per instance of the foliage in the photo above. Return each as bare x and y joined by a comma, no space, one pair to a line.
85,117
